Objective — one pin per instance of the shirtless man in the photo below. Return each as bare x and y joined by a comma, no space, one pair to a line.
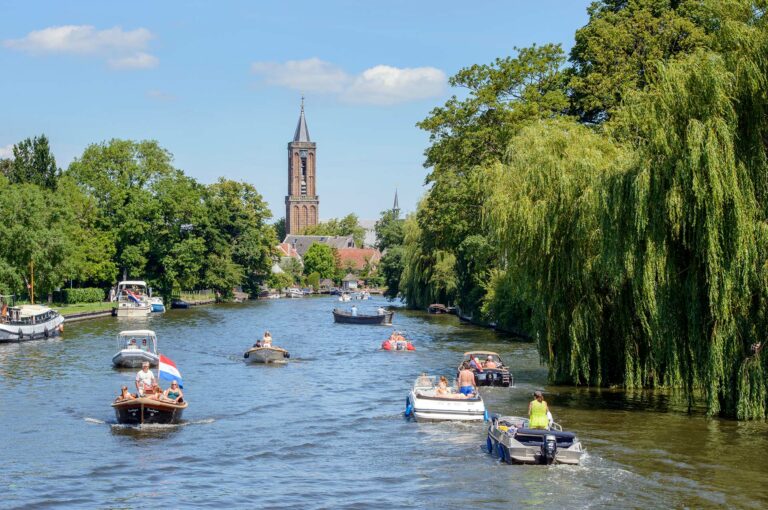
466,380
489,363
145,380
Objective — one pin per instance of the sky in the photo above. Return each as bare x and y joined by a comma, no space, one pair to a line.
219,84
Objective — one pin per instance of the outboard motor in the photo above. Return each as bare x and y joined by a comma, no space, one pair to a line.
549,449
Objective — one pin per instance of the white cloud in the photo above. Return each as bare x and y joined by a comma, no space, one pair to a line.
122,49
381,85
159,95
6,152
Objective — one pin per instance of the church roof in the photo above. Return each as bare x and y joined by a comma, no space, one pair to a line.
301,243
302,133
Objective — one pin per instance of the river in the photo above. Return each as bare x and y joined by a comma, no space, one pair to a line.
326,430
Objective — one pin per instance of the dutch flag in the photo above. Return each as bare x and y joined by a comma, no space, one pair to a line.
168,371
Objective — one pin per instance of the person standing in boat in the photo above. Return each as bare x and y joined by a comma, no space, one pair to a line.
145,380
537,412
267,340
354,310
466,380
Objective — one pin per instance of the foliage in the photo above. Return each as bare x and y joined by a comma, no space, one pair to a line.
313,280
391,270
389,230
346,226
279,227
293,267
87,295
33,163
319,258
280,281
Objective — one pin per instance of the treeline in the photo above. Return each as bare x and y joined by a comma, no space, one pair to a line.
123,208
611,202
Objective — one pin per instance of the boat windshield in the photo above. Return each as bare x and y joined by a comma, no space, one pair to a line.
425,382
141,340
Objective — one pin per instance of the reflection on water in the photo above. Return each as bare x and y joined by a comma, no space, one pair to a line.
326,429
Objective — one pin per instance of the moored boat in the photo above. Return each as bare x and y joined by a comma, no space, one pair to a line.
293,292
28,322
437,308
145,410
344,297
346,317
132,299
510,439
157,304
499,375
425,403
179,303
136,347
266,355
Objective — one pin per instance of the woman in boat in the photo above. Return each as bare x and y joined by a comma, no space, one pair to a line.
442,387
267,340
124,395
174,393
537,412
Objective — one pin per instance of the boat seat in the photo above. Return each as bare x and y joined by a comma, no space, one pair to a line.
535,437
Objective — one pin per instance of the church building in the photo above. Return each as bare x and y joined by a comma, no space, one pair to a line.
302,203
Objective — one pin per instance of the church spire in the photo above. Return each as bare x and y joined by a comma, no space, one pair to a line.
396,206
302,133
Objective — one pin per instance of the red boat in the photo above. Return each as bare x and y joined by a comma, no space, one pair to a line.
397,343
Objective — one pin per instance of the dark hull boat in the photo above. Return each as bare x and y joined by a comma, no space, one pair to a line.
179,304
499,376
144,410
347,318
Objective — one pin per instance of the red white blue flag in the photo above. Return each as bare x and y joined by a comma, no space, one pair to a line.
168,370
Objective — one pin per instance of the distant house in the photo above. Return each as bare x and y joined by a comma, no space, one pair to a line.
355,259
285,251
326,284
302,243
349,282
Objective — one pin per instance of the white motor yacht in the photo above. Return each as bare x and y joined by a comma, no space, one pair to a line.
425,403
28,322
132,299
136,347
513,442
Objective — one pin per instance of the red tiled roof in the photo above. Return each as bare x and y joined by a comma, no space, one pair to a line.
286,250
358,257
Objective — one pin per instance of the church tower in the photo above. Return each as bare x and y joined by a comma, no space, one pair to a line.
302,202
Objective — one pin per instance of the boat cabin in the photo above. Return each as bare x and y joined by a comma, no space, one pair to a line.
24,315
132,293
140,339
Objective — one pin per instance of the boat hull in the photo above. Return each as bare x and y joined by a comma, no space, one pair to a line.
266,355
134,311
22,333
524,446
133,358
144,410
158,308
445,409
378,319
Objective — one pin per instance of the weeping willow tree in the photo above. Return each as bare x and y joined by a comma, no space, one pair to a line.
428,276
545,210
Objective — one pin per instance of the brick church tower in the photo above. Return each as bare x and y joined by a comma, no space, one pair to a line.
302,202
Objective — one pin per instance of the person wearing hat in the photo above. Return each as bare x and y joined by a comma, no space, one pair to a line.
537,412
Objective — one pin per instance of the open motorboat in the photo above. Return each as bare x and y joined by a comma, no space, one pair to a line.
348,317
157,304
397,342
510,439
294,292
28,322
344,297
266,355
136,347
132,299
145,410
498,376
425,404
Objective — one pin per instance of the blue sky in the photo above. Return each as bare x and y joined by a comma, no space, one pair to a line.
218,84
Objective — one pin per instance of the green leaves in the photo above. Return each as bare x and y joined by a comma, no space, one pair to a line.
320,259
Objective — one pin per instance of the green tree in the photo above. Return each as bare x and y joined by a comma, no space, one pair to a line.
389,230
293,267
34,163
346,226
320,259
313,280
280,231
391,269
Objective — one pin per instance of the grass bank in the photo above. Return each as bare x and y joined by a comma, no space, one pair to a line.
83,308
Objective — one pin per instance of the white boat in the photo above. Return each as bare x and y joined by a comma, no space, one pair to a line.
424,403
513,442
293,292
157,304
136,347
28,322
266,355
345,297
132,299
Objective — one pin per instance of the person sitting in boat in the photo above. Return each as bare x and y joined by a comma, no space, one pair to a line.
442,387
144,346
490,363
132,344
266,341
145,380
537,412
466,380
174,393
473,363
125,395
156,393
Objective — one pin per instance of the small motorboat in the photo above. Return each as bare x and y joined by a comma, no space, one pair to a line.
397,343
266,355
28,322
498,376
437,308
294,292
425,404
344,297
346,317
136,347
510,439
157,304
179,304
145,410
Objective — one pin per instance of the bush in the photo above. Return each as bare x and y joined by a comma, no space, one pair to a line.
89,295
